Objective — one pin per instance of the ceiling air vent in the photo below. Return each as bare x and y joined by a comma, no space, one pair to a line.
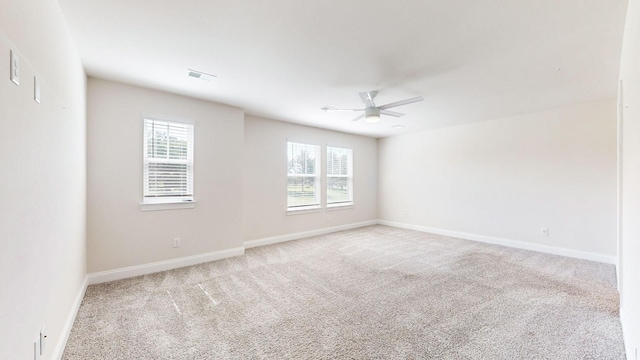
200,75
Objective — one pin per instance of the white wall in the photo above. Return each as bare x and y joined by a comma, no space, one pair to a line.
119,233
507,178
630,217
265,179
42,178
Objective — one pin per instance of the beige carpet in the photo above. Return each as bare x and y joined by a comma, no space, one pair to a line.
371,293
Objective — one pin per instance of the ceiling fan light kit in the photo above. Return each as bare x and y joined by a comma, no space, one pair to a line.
371,111
372,115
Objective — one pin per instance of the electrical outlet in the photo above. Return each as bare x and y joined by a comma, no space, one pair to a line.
176,242
328,217
15,68
544,231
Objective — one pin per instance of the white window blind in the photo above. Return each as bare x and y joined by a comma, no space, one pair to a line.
168,161
303,185
339,176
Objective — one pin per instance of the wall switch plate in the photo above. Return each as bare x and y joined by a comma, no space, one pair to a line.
176,242
15,68
43,339
36,349
36,90
544,231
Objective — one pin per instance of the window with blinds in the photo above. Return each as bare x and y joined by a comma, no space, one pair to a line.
168,161
303,176
339,176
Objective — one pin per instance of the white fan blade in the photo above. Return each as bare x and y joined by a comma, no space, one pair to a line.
391,113
358,118
400,103
367,98
332,109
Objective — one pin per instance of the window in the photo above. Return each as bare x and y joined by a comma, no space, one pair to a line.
168,161
303,176
339,176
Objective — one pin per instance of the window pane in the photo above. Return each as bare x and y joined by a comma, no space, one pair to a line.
177,148
301,191
338,190
303,185
168,159
338,161
339,175
166,179
159,143
301,158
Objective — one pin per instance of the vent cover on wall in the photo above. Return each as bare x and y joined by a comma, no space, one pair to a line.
200,75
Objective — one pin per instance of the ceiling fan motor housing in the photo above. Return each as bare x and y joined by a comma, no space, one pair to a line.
371,112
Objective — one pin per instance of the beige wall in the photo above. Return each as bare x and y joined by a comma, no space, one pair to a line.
509,177
265,179
42,178
119,233
630,219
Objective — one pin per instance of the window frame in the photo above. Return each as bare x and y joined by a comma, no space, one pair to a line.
301,209
349,177
183,201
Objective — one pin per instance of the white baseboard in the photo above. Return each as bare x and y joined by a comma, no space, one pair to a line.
131,271
295,236
66,330
509,243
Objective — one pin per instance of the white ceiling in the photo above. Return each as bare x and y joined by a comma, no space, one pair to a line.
471,60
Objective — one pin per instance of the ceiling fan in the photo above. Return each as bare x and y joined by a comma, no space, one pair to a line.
371,111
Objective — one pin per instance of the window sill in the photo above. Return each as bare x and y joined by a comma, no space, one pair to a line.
340,206
167,206
304,210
